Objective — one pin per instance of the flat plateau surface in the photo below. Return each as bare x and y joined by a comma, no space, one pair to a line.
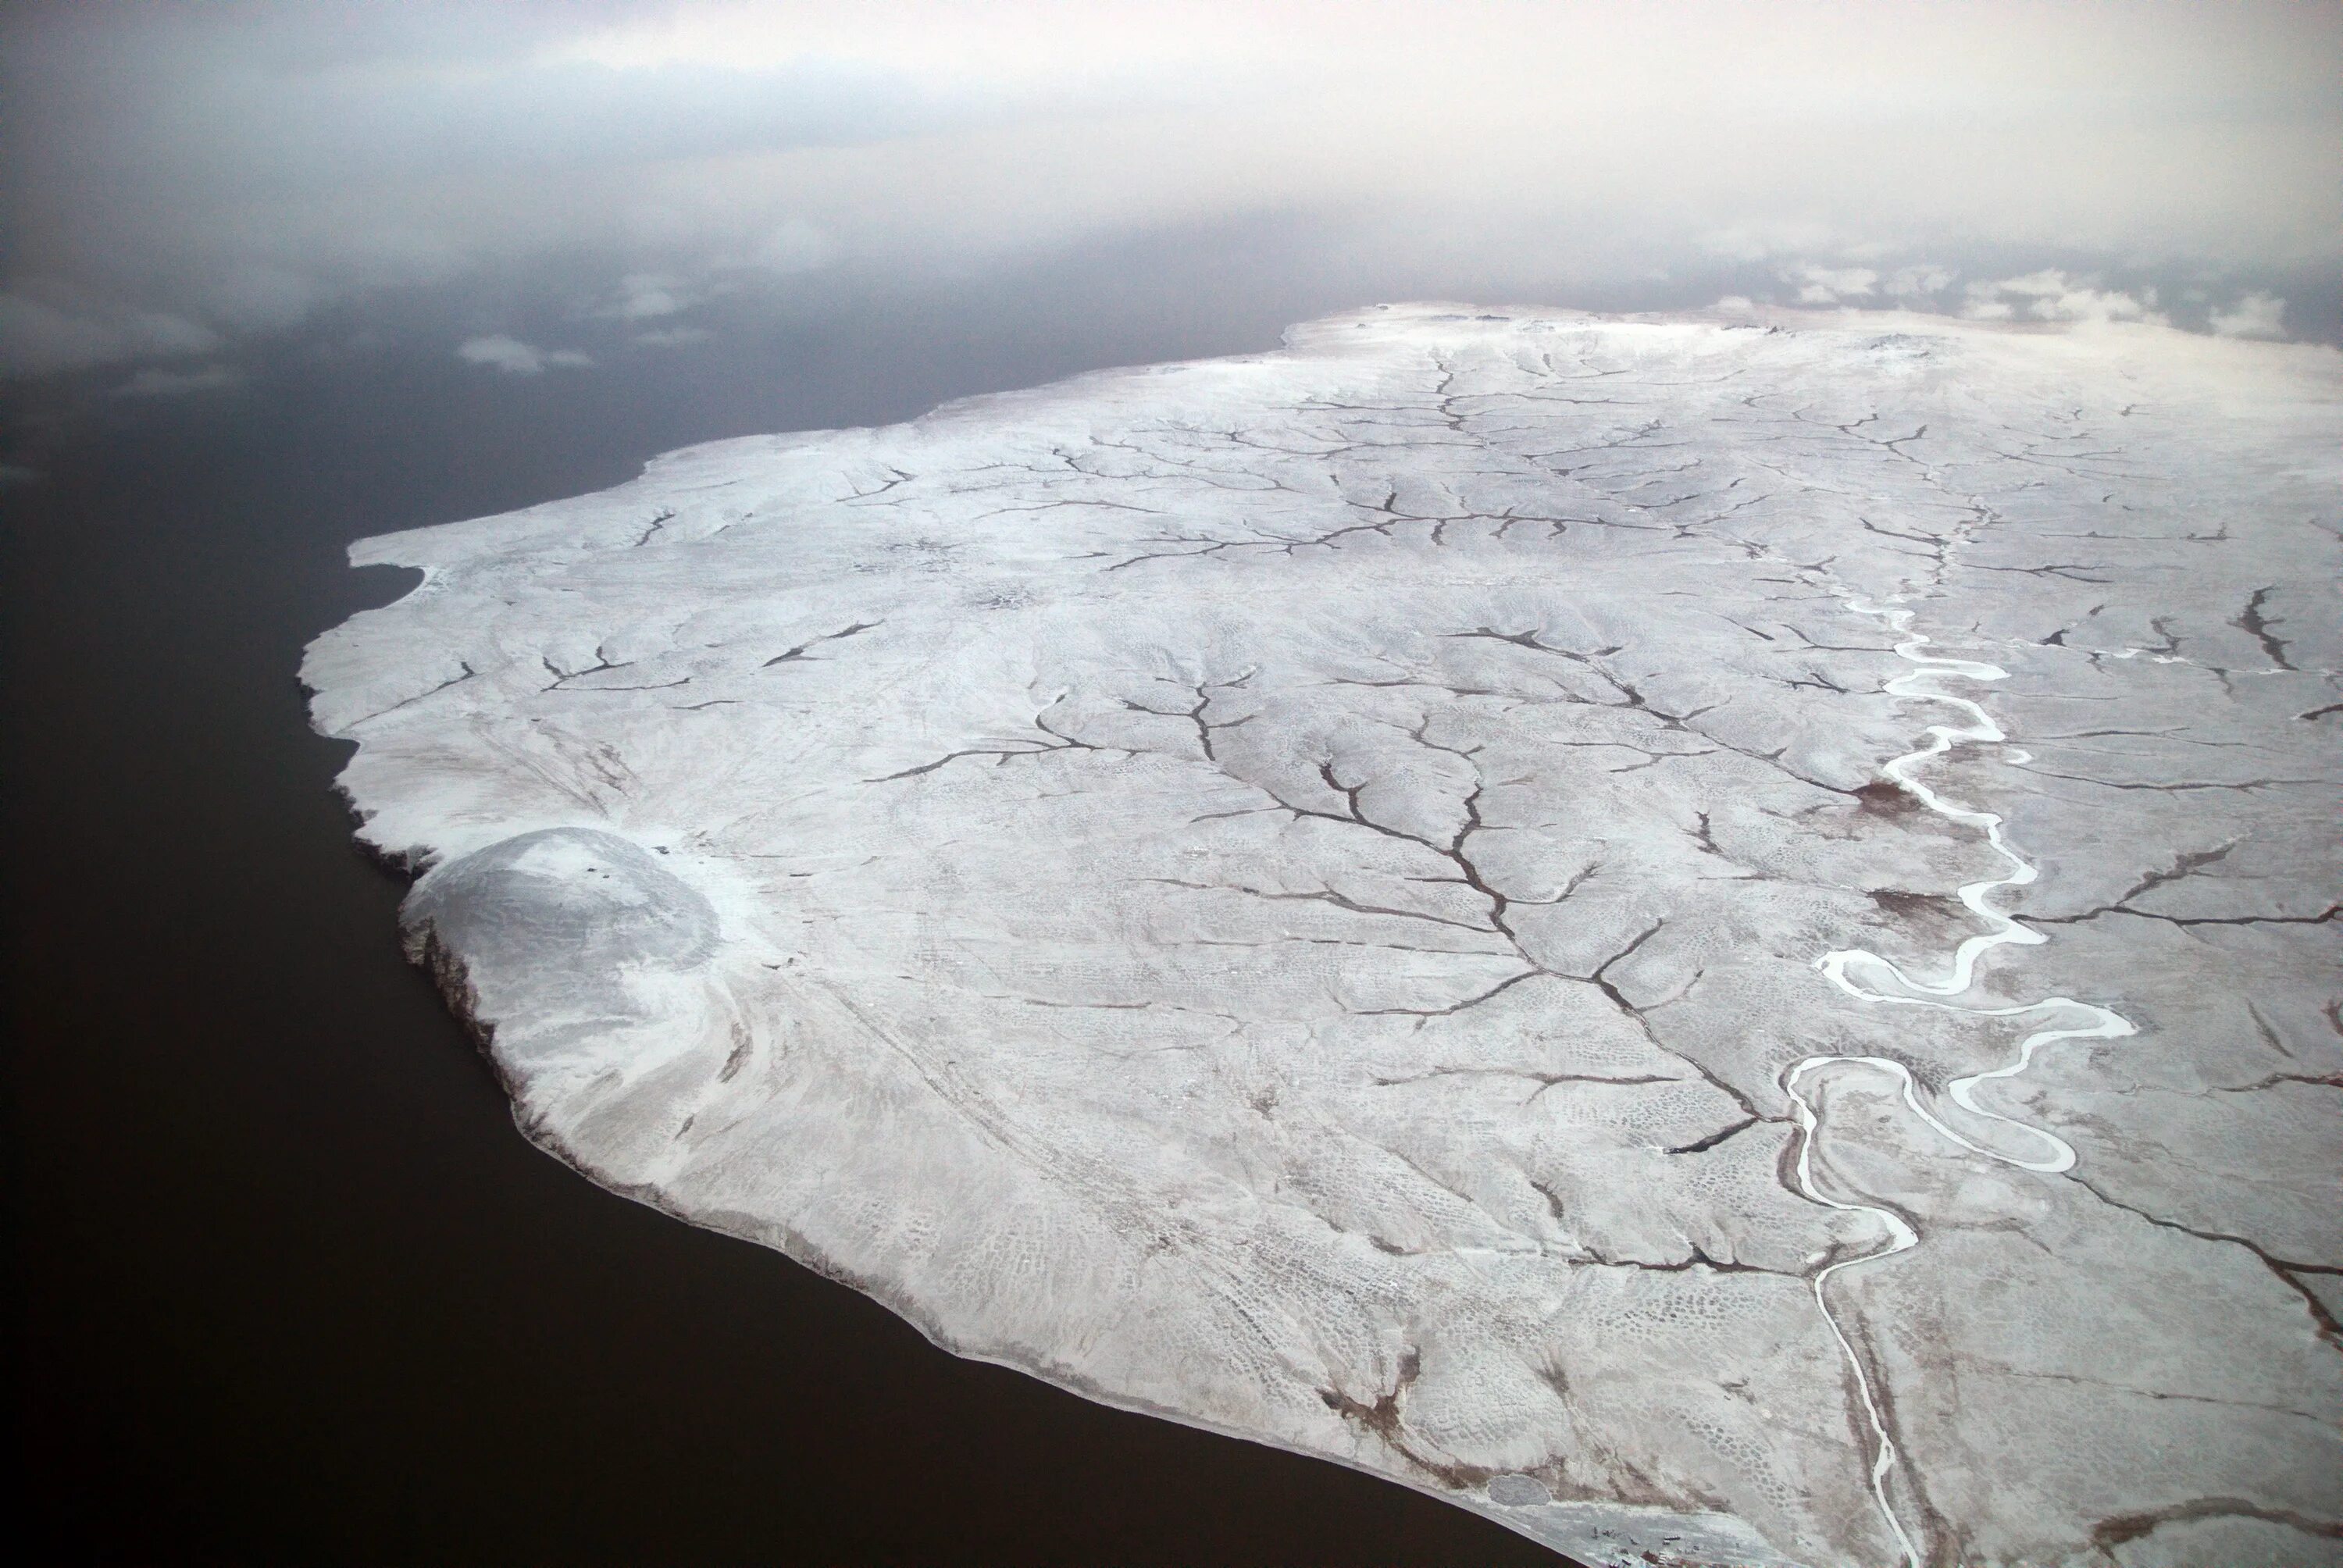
1713,937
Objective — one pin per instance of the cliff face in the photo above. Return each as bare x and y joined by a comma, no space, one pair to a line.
1712,937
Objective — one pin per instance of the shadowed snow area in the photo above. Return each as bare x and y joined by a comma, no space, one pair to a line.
1714,936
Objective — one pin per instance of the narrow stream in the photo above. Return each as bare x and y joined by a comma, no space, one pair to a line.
1893,986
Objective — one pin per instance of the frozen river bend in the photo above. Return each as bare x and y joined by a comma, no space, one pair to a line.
1717,938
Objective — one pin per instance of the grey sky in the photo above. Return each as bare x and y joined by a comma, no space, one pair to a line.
180,178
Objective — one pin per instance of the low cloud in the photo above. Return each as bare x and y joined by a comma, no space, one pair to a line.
514,357
205,174
644,296
1914,282
2254,315
2050,295
794,246
673,336
37,336
1830,285
156,382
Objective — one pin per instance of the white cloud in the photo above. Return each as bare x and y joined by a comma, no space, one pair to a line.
795,246
1829,285
1763,241
1905,282
673,336
2254,315
792,248
36,336
2042,284
223,170
2050,295
648,295
154,382
515,357
2085,304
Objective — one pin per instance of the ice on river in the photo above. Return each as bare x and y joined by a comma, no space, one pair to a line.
1714,936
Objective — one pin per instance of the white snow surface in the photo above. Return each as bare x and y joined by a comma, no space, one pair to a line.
1714,936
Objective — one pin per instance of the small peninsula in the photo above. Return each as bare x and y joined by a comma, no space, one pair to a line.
1715,937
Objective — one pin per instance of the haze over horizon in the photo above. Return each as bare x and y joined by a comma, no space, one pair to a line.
553,188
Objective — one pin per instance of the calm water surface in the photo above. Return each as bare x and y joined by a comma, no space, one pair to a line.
288,1283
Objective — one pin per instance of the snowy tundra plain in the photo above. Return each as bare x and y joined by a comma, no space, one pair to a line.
1714,936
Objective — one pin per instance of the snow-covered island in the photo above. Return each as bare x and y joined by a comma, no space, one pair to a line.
1713,937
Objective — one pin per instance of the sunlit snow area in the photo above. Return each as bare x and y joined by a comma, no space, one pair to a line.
1710,935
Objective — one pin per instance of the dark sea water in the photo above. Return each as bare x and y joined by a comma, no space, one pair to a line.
288,1284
